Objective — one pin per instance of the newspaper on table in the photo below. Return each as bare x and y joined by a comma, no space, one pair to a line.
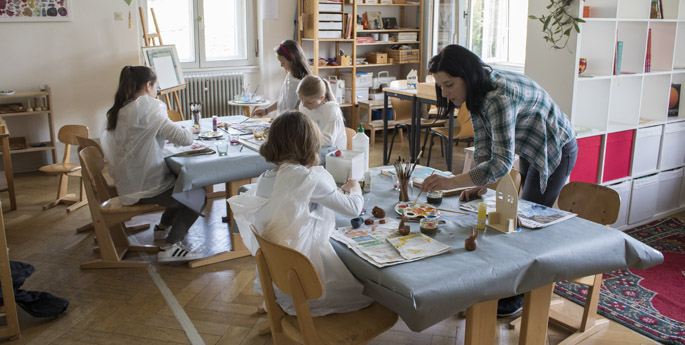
417,246
532,215
373,244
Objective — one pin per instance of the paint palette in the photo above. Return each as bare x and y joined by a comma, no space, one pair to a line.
417,210
210,135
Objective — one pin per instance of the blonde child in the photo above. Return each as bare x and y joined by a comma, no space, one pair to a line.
295,204
294,62
318,103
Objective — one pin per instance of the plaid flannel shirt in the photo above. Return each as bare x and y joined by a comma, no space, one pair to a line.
520,117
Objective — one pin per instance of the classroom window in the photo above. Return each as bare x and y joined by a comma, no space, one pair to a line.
497,31
207,33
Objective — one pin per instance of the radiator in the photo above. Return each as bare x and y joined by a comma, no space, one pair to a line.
213,91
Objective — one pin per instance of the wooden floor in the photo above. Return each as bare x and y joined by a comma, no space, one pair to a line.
173,304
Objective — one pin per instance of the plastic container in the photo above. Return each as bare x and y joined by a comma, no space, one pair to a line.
670,183
643,198
673,148
349,164
623,189
587,163
617,157
363,80
360,95
647,144
360,143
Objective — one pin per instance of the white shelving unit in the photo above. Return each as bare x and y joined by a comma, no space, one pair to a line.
606,108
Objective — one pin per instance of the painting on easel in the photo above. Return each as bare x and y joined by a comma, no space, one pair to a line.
35,11
164,61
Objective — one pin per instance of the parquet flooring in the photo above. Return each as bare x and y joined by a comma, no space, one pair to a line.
126,306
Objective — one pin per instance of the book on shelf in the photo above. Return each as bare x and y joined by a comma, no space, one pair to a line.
674,100
618,57
648,57
656,12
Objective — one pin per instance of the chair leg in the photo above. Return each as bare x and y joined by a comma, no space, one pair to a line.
392,141
425,139
430,151
401,134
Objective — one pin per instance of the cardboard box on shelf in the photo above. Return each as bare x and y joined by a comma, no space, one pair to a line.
344,60
377,58
404,55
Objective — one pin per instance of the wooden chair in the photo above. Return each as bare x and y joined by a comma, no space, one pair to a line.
402,110
462,133
67,135
174,115
350,133
365,108
109,215
294,274
86,142
597,204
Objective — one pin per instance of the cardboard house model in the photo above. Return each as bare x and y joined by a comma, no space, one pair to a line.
506,206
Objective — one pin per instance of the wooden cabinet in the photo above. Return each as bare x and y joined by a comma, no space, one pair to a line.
319,20
34,106
626,113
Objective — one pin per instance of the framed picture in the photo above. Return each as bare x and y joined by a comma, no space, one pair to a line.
164,61
375,21
390,23
36,11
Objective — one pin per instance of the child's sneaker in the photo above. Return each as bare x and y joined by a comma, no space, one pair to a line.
177,252
159,233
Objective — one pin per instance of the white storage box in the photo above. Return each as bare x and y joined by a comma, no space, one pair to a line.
673,148
643,198
338,88
383,79
349,164
364,79
670,183
330,17
330,34
407,36
361,94
330,26
647,144
330,7
623,189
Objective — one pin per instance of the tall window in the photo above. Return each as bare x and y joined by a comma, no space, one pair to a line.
497,31
207,33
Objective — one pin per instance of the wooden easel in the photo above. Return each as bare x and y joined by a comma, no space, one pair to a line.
150,42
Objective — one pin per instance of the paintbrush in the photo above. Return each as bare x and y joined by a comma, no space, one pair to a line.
446,210
421,190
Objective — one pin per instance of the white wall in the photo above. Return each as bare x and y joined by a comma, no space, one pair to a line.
274,31
80,60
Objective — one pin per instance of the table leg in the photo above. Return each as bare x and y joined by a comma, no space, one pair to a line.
385,129
450,143
481,323
9,176
246,110
231,190
535,316
412,130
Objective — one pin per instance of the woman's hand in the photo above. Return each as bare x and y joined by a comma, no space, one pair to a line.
261,112
437,182
194,130
472,193
352,186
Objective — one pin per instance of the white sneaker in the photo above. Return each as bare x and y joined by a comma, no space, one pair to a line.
159,233
177,252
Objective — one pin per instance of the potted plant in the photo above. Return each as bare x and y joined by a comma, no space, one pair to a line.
558,23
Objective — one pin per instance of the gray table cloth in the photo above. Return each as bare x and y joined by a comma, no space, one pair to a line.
199,171
428,291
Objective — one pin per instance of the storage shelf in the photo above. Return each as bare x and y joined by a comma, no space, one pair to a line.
619,127
675,119
387,43
389,30
396,5
350,40
47,147
385,64
332,67
24,113
22,94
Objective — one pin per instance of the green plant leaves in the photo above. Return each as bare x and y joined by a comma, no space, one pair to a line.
558,23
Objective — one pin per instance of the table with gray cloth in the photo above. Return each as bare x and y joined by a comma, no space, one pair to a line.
199,171
428,291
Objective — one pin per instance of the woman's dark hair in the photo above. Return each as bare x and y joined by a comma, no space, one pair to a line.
291,51
131,80
293,136
458,61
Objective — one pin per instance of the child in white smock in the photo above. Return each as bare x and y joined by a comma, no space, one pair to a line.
294,205
319,105
294,62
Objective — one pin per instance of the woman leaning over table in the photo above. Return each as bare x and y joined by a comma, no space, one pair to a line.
137,128
294,62
511,114
295,205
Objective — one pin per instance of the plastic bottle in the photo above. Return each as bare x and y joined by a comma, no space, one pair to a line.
214,123
360,143
482,215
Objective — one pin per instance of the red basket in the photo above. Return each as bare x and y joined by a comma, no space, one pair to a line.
617,156
587,164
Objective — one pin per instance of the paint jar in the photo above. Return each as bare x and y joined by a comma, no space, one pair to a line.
434,197
429,225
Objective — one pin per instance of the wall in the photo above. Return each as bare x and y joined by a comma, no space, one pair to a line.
80,60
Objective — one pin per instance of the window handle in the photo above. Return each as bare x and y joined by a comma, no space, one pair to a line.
199,18
466,14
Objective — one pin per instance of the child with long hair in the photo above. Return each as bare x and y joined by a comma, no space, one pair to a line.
294,62
295,204
319,105
137,128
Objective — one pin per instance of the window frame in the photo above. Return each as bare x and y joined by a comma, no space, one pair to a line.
197,20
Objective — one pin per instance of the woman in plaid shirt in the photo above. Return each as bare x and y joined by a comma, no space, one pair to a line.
511,114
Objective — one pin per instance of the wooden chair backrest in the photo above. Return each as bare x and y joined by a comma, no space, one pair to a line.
174,115
464,120
349,132
401,108
589,201
92,164
283,261
67,134
87,142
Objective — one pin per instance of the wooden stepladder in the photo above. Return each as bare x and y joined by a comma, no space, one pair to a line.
152,40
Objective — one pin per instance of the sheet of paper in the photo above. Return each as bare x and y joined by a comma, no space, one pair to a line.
166,73
417,246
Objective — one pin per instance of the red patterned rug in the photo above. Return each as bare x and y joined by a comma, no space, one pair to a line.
651,301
